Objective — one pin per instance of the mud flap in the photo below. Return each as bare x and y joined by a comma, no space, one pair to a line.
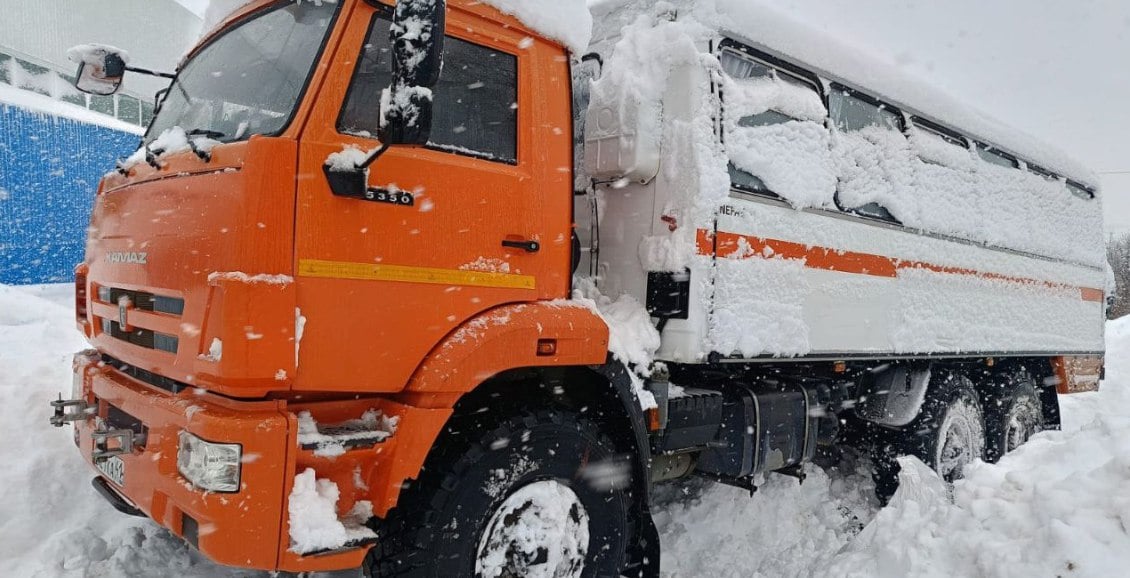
643,558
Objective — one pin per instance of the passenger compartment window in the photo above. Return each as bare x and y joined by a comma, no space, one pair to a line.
851,112
876,124
749,73
475,110
996,157
1080,191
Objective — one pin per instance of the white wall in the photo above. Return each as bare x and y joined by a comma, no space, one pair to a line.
155,32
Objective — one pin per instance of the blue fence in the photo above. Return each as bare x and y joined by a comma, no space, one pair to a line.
49,170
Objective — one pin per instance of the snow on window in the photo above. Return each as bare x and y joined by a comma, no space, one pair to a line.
775,135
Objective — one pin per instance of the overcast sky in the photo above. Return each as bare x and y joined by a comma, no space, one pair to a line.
1057,69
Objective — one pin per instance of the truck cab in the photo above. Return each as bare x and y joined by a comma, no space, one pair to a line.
228,288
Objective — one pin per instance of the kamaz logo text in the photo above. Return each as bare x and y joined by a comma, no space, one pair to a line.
122,257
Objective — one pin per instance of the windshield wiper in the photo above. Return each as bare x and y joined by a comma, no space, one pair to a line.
204,132
204,155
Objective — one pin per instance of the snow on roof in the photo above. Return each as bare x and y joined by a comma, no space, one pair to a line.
36,102
768,29
566,21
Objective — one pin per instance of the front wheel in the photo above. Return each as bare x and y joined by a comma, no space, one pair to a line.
541,495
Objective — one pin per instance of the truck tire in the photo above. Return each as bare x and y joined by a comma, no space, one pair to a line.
947,435
1012,417
518,500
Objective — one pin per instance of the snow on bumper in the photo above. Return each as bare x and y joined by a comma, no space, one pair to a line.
231,528
248,527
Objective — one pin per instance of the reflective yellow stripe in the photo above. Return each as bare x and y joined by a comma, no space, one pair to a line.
405,274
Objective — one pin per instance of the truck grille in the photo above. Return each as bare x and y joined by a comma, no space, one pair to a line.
143,300
159,381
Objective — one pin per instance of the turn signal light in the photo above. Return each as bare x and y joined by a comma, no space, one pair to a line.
547,347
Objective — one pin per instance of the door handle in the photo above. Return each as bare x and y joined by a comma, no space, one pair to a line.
527,246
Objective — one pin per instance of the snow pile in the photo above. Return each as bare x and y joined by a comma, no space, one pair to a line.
52,522
632,338
371,425
314,525
1058,505
785,530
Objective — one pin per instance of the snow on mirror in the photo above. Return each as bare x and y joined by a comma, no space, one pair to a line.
100,68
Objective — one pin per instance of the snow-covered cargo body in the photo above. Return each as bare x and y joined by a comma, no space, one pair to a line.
343,313
803,203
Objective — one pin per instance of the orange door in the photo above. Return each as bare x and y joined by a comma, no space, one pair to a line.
382,281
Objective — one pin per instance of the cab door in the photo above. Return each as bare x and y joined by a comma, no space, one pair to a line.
381,281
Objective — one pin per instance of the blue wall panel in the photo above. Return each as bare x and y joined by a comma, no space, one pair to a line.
49,170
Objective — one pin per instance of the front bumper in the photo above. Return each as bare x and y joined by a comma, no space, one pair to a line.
247,528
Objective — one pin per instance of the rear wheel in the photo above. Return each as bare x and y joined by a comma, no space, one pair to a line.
541,495
1013,417
947,435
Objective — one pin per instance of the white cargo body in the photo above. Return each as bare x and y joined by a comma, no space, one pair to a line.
901,225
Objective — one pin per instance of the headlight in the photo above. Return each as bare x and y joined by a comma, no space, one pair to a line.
209,466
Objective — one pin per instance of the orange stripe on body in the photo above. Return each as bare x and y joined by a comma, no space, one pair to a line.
726,244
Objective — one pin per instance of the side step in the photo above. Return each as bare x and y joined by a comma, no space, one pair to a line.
337,438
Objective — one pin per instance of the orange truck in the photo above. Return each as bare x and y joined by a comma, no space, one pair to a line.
335,320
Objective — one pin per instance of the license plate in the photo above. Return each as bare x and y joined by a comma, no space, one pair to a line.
113,468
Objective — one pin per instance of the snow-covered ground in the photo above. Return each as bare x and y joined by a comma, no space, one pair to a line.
1058,506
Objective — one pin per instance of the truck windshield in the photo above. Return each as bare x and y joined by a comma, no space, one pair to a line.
249,79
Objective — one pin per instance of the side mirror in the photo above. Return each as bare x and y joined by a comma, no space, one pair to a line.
100,68
417,35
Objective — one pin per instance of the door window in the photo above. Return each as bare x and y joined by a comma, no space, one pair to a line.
475,104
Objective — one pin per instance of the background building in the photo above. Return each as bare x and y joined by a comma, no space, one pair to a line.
56,142
35,36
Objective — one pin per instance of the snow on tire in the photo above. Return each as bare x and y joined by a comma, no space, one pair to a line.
541,495
948,434
1012,417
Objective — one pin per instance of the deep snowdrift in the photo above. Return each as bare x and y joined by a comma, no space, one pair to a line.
1058,506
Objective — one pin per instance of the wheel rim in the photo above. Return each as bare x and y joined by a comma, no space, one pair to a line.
962,441
539,531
